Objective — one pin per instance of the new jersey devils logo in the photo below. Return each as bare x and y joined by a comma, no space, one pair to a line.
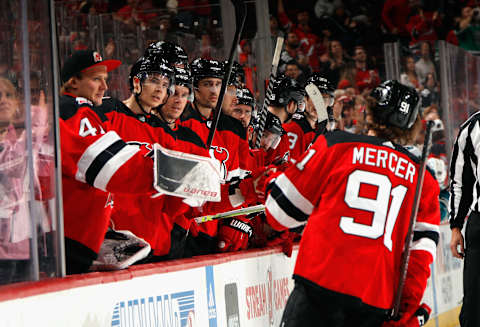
221,154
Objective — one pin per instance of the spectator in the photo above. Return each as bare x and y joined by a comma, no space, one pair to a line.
409,76
395,14
293,71
431,91
275,31
423,25
14,215
425,64
366,77
326,7
467,30
309,41
348,113
291,52
334,62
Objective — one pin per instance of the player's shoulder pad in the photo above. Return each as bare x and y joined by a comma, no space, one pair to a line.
302,121
110,104
187,135
338,136
231,124
69,105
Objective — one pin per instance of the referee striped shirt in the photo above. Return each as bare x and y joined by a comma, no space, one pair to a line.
464,172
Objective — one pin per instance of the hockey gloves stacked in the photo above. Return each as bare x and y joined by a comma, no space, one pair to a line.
233,234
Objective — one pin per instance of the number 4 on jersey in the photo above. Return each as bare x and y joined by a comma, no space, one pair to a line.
86,128
384,216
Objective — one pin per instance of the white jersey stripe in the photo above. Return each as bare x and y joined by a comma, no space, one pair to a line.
112,165
293,195
92,152
281,216
425,244
423,227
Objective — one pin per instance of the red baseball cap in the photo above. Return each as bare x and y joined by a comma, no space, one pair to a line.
82,60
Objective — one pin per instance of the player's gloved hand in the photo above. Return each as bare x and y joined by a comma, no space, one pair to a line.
261,178
233,234
259,239
411,316
285,239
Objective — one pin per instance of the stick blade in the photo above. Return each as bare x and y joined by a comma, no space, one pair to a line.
317,99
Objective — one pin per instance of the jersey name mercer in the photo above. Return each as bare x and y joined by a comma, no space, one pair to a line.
384,159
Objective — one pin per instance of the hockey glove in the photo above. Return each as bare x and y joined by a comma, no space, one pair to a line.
233,234
411,316
285,239
119,250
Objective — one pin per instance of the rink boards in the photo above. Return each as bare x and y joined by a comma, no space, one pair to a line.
241,289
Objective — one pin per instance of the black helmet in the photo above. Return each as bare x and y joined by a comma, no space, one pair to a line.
204,68
244,96
284,90
237,76
397,104
173,53
148,65
323,84
272,124
183,77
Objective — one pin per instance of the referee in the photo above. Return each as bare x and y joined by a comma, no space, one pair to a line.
464,199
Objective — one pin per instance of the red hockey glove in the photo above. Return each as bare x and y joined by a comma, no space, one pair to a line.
260,179
260,236
285,239
411,316
233,234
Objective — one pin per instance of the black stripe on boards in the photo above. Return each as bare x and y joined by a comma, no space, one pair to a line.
434,236
285,204
102,159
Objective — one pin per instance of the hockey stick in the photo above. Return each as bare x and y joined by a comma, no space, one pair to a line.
316,96
240,15
413,216
230,214
268,92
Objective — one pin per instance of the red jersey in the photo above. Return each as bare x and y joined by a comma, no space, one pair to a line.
149,218
300,134
95,160
357,193
229,139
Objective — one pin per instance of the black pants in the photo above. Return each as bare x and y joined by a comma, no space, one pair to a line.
307,308
470,313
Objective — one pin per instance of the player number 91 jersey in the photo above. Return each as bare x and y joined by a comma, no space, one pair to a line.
357,193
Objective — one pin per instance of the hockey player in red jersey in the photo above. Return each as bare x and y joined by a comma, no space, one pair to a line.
357,194
303,126
144,118
94,159
288,97
207,78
